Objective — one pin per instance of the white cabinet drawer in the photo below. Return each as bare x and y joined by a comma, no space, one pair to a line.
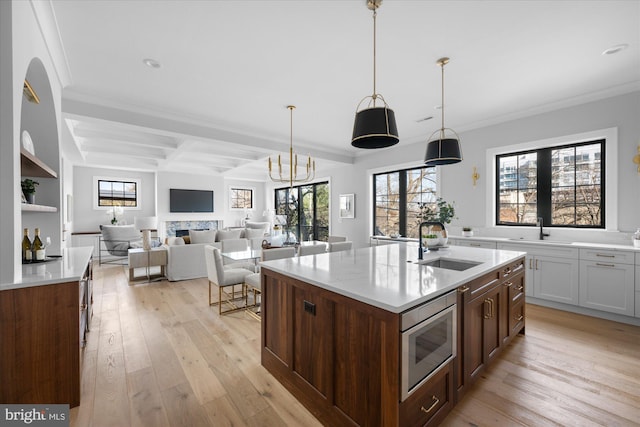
476,243
607,255
542,249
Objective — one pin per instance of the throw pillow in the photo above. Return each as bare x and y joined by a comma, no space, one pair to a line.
228,234
206,236
186,239
175,241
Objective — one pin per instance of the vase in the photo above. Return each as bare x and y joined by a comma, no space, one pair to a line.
31,198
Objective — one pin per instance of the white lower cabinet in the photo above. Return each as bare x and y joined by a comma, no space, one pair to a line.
556,279
637,284
552,269
607,286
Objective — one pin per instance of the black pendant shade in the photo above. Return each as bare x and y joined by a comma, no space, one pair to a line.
443,151
375,128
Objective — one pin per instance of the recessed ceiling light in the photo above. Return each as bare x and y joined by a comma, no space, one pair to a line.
151,63
615,49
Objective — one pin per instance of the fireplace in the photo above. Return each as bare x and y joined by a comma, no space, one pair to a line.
181,228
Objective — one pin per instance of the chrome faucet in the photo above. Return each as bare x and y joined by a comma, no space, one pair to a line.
540,224
420,250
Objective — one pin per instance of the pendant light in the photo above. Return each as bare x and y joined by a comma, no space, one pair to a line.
293,163
374,126
443,150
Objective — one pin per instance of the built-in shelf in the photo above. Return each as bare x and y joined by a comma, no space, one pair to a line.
26,207
33,166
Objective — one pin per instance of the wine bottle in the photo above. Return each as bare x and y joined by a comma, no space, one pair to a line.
26,247
38,247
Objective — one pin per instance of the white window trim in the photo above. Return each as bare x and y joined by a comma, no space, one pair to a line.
242,187
610,135
117,178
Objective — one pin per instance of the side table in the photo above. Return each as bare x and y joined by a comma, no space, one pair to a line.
139,258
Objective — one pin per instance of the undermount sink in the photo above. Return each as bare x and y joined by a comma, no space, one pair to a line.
449,264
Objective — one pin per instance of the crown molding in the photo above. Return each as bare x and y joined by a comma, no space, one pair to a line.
48,24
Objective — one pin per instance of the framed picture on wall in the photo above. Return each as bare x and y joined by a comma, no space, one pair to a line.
347,206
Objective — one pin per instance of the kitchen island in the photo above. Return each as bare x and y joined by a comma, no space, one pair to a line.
332,327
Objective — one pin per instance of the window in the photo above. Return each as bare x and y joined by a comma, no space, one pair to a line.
563,185
241,198
398,196
117,193
306,208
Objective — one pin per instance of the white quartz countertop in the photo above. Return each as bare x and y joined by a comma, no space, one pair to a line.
388,276
547,241
68,268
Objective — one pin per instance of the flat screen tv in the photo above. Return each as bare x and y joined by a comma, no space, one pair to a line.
190,200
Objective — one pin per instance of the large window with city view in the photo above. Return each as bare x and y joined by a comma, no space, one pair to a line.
305,209
399,196
563,185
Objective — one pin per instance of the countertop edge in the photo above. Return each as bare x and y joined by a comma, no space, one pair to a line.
81,256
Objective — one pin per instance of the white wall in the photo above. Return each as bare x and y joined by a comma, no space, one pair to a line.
621,112
87,218
21,40
220,187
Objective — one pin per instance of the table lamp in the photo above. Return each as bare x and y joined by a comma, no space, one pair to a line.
146,224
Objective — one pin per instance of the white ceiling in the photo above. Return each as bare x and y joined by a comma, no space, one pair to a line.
228,69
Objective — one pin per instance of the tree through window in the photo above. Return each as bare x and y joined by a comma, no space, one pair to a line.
563,185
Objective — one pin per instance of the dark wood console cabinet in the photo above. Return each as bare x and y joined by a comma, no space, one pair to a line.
42,336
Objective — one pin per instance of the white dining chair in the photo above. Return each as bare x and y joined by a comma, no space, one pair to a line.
225,277
278,253
318,248
340,246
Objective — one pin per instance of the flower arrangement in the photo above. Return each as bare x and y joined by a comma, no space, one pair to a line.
115,213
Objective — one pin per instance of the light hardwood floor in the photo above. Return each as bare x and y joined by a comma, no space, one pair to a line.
158,355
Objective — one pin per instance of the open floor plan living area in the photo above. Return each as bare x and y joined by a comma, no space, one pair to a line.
212,216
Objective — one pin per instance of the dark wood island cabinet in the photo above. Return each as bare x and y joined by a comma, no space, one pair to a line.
341,357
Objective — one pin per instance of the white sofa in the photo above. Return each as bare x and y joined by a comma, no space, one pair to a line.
187,261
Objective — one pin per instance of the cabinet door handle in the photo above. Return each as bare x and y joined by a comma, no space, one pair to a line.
492,308
605,265
463,289
475,245
508,284
435,401
487,308
519,318
605,256
536,264
520,288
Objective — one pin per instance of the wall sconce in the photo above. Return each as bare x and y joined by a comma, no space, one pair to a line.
636,159
475,176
